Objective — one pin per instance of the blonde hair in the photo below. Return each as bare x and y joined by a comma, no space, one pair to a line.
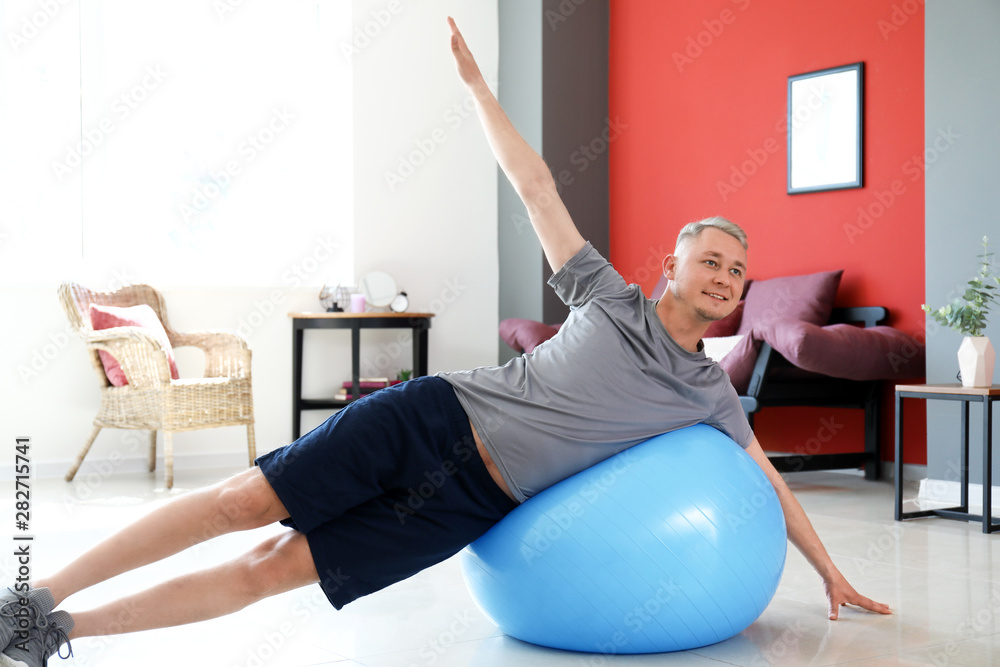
693,230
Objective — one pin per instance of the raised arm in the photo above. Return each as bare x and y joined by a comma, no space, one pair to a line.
801,533
525,169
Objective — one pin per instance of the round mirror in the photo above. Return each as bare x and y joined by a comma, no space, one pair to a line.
379,289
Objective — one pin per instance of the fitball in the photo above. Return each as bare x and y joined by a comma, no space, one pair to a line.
675,543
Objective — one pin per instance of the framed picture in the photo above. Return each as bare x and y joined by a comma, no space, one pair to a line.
825,129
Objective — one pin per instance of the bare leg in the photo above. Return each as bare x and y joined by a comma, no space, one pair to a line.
279,564
241,502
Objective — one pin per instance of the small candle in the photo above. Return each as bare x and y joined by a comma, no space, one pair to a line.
357,303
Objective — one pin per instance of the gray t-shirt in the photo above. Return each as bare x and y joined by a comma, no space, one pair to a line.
611,378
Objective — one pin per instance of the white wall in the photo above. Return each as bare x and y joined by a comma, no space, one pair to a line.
434,229
435,233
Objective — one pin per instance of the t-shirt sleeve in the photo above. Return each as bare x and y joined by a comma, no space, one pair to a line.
586,275
729,417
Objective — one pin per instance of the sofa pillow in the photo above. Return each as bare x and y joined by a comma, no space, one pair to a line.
728,325
526,335
739,362
846,351
109,317
807,298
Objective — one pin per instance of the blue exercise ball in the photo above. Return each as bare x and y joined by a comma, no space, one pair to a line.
675,543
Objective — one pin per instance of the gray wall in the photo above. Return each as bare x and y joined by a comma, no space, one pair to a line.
554,88
520,94
962,89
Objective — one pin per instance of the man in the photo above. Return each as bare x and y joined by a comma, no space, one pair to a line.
484,439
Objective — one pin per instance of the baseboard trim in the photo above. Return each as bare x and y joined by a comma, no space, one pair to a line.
96,468
911,471
950,493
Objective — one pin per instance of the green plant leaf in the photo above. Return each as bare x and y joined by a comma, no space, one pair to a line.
968,314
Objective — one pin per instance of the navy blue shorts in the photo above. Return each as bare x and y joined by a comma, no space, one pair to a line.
388,486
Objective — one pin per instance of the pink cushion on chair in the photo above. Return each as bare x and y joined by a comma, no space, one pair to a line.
109,317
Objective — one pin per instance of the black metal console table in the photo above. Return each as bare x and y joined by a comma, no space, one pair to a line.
418,322
966,395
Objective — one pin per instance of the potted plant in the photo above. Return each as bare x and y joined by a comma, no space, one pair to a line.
967,315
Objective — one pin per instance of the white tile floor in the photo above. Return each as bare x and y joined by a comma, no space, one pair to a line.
941,577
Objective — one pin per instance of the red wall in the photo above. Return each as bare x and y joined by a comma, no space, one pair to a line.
700,89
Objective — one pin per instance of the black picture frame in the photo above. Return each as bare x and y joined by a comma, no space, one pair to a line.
826,129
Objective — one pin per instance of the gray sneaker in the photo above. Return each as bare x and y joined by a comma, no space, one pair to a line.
44,639
14,617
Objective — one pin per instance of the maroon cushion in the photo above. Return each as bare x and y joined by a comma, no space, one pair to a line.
846,351
806,298
740,361
728,325
526,335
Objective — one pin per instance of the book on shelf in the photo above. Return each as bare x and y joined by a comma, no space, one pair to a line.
370,384
365,385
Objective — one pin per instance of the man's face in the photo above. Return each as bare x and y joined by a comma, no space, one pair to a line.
707,274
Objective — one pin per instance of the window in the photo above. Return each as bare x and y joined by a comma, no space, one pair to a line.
183,143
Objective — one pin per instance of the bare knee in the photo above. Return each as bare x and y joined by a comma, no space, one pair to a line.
246,501
279,564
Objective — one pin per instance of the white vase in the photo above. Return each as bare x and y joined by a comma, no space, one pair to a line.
975,360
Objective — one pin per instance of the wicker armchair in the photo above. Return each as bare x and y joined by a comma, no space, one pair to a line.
152,400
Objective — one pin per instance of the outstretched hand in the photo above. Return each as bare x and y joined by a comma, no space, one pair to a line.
468,70
839,592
